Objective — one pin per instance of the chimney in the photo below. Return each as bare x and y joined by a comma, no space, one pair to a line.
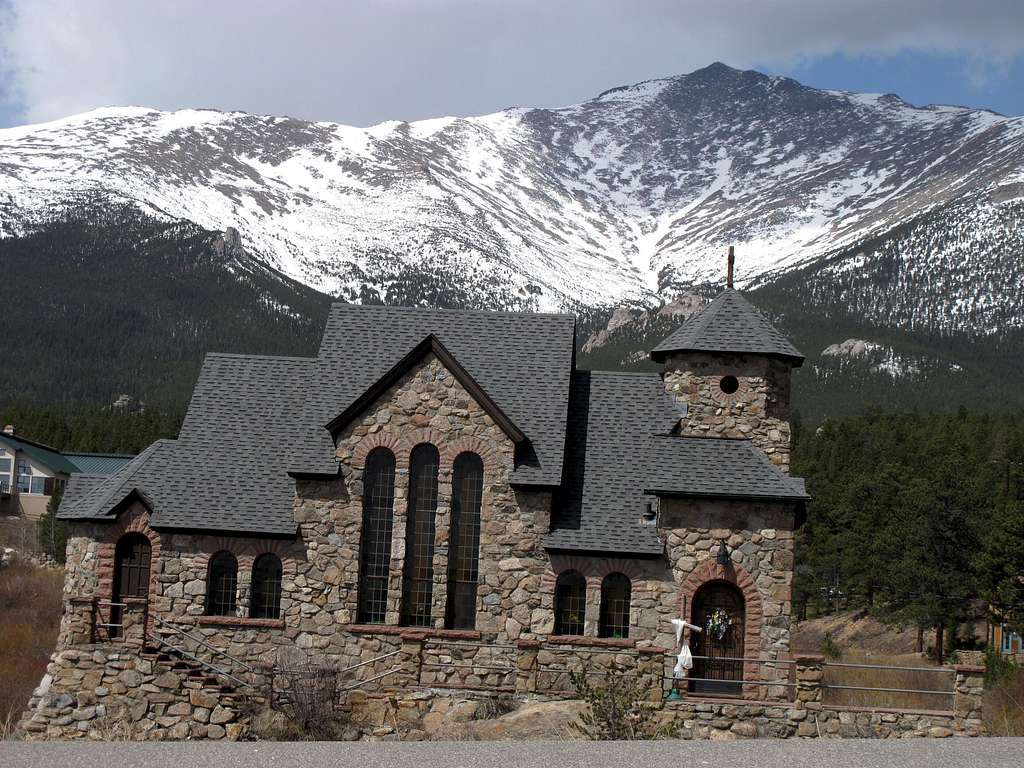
9,429
732,259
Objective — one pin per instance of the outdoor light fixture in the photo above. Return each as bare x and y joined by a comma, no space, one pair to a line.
722,558
649,515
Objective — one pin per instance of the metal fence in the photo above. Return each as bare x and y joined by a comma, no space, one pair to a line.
878,686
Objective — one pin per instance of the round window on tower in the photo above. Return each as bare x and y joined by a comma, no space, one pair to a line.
729,384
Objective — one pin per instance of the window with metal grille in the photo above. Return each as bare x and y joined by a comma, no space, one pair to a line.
265,596
375,540
615,593
418,576
570,603
464,541
222,584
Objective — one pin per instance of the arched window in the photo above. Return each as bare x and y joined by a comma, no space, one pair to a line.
418,576
221,584
265,595
570,603
131,574
464,541
375,541
615,593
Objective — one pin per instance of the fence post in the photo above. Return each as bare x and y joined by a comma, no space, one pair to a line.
651,671
411,657
969,688
526,666
809,674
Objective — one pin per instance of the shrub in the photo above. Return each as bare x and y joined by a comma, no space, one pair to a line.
30,609
305,702
830,649
1003,704
619,709
998,667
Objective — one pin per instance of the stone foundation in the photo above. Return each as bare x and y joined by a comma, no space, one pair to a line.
115,693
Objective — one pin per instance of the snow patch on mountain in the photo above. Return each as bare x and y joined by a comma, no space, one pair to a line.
626,198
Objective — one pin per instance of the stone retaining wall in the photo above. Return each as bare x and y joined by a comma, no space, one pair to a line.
105,692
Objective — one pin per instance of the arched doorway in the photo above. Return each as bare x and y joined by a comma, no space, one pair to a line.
720,610
131,574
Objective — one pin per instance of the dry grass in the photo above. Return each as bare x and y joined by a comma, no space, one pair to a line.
30,609
1003,706
927,677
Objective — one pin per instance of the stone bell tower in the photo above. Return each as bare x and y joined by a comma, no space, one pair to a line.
731,369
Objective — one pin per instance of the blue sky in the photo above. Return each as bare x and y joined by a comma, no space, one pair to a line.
365,61
920,78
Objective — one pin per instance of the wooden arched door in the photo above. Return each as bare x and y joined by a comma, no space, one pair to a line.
131,574
718,651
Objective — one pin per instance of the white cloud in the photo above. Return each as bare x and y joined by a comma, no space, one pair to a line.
362,62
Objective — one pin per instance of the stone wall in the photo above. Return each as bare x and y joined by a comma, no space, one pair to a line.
758,410
121,692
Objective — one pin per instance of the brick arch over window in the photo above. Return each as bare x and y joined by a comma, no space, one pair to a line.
485,449
709,571
594,568
135,519
396,445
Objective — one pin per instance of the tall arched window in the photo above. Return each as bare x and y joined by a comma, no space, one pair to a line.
418,576
464,541
615,594
570,603
265,595
221,584
375,541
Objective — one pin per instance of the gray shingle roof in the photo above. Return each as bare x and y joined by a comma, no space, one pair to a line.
250,418
227,469
522,361
620,455
730,323
717,467
601,501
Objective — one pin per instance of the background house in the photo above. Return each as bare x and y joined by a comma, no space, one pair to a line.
31,472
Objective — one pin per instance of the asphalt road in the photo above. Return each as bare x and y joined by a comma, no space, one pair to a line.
846,753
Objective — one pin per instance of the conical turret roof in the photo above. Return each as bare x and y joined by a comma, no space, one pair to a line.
730,323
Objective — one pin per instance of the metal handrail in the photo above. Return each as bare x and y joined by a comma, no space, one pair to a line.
736,682
466,666
885,690
110,604
201,642
359,683
374,660
883,666
203,662
746,660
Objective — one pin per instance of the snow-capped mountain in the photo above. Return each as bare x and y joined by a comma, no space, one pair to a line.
622,197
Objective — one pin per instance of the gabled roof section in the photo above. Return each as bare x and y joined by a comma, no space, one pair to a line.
430,344
226,471
44,454
521,360
730,323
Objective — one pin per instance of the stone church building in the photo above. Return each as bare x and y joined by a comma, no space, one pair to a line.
453,474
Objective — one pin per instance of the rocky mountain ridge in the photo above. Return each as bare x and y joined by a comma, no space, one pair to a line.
629,197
